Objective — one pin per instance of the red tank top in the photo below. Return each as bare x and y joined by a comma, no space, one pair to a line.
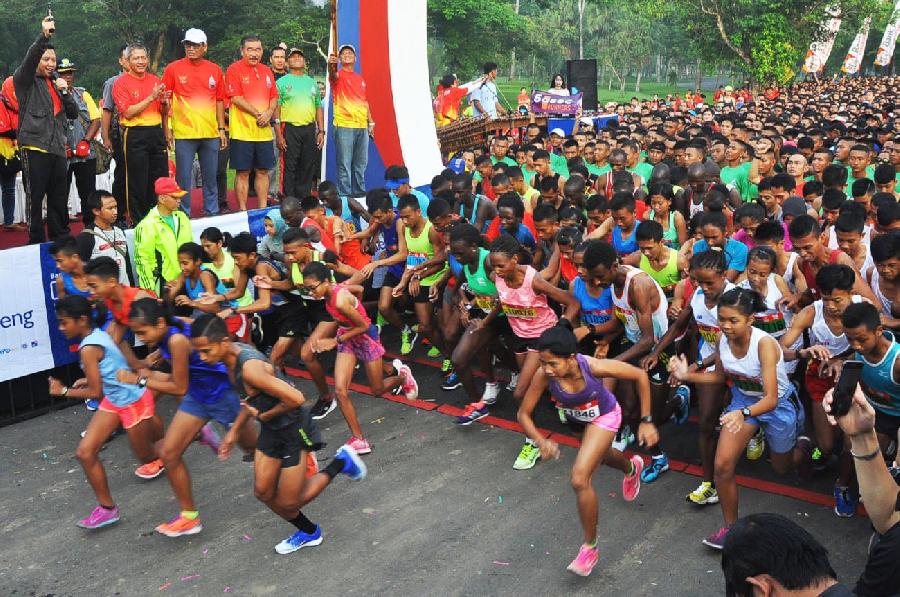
810,275
331,307
128,294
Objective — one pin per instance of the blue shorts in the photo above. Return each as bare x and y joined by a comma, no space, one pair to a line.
251,155
781,425
224,411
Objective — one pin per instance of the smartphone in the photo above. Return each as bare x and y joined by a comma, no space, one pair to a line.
845,388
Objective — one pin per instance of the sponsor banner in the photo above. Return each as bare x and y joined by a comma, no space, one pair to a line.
544,102
889,40
820,49
854,55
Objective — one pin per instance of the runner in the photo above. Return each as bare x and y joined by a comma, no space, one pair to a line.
205,393
884,278
662,196
761,396
575,384
287,433
221,262
523,294
661,262
130,406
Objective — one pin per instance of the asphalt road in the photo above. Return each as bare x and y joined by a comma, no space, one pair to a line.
441,512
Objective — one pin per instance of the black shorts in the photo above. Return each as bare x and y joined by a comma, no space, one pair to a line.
523,345
251,155
299,318
286,443
422,296
391,280
886,424
659,374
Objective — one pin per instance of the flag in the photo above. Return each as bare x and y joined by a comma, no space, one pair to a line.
820,49
857,49
889,40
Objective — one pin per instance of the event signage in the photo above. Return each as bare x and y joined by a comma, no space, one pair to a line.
544,102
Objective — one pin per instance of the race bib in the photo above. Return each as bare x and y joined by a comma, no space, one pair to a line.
772,323
587,413
485,303
522,312
414,260
709,334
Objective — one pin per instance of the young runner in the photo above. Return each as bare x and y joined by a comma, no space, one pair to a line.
576,385
130,406
761,396
206,394
662,196
221,262
287,432
356,339
884,278
661,262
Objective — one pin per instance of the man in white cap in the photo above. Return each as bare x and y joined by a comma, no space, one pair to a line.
198,118
353,124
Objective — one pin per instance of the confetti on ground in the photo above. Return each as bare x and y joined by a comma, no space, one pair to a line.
612,494
190,577
368,511
206,551
227,590
500,499
165,586
247,538
499,563
486,499
378,420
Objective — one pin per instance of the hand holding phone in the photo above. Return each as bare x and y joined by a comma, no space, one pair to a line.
845,388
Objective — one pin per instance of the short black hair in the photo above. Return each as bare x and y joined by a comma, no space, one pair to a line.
599,252
512,201
410,201
378,199
437,208
861,314
885,246
649,230
489,66
835,276
310,203
850,221
102,267
244,244
545,213
209,326
95,199
558,341
714,218
294,235
803,226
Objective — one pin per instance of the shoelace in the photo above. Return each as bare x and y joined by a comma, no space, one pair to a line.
472,407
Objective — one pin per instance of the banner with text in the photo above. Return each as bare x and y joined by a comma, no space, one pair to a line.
544,102
820,49
854,56
889,40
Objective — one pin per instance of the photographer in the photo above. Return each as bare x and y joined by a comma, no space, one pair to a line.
45,106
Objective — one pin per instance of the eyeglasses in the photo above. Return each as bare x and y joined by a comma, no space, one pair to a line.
311,289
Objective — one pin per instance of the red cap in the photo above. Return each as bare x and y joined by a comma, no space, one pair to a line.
83,149
168,186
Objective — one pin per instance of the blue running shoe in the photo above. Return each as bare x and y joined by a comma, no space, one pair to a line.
473,412
354,467
683,393
299,540
91,404
451,382
844,502
658,465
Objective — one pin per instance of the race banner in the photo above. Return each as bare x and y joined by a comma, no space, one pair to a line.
889,39
820,49
853,60
544,102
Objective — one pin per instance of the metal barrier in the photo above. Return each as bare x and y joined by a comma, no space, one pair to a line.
28,397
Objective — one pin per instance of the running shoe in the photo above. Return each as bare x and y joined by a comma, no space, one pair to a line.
179,526
491,391
528,457
410,387
894,470
585,561
717,539
151,470
623,438
844,502
658,465
91,404
380,322
322,407
451,382
446,365
631,484
354,467
473,412
209,437
804,467
681,414
408,339
100,517
299,540
819,462
513,382
434,352
359,445
562,416
704,495
756,446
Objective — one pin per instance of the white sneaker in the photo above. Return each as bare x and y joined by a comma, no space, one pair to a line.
491,390
513,382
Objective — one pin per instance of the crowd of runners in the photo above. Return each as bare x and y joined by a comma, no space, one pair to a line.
720,258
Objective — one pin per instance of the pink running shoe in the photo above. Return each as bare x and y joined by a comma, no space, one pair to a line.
717,539
410,386
585,561
209,437
631,485
360,445
100,517
151,470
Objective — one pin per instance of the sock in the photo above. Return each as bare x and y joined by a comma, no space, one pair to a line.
630,473
303,523
334,467
190,515
592,544
107,507
530,441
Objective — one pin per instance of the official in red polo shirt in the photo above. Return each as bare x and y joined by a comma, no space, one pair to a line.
198,118
139,99
254,98
353,123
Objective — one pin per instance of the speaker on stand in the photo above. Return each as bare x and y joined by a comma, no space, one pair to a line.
583,75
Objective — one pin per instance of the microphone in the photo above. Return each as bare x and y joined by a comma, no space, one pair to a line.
53,77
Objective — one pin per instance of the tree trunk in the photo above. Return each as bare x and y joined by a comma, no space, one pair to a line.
624,78
698,76
637,83
658,68
581,7
158,51
512,57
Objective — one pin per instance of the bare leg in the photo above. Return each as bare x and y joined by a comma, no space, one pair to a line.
594,445
182,430
261,185
386,307
242,188
377,381
325,329
100,427
728,452
343,373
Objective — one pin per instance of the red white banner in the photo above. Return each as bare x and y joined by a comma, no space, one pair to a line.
820,50
889,40
857,49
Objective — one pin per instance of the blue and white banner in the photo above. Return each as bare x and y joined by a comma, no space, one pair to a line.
30,340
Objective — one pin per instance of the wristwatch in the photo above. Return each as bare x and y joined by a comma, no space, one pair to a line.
277,121
647,419
746,412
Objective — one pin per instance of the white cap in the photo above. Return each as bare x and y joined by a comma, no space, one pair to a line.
558,131
587,120
195,36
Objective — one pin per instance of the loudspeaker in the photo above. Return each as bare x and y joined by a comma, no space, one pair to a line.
583,75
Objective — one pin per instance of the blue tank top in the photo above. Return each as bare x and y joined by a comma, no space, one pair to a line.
194,290
593,394
206,383
392,245
625,246
71,289
455,266
120,394
523,235
878,383
594,310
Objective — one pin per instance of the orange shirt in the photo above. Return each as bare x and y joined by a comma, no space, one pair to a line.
256,84
128,90
195,90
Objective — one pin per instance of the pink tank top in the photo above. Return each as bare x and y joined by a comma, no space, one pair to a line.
527,312
331,307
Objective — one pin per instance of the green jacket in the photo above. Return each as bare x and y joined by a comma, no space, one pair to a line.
156,248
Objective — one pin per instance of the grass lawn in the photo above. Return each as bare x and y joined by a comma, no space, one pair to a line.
510,89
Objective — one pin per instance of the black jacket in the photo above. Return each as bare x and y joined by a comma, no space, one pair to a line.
38,126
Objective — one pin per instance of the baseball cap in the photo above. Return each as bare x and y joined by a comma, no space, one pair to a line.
296,51
587,120
351,46
794,206
65,65
168,186
458,165
729,88
195,36
558,131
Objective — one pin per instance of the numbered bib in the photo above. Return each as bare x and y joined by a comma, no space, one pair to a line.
585,414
